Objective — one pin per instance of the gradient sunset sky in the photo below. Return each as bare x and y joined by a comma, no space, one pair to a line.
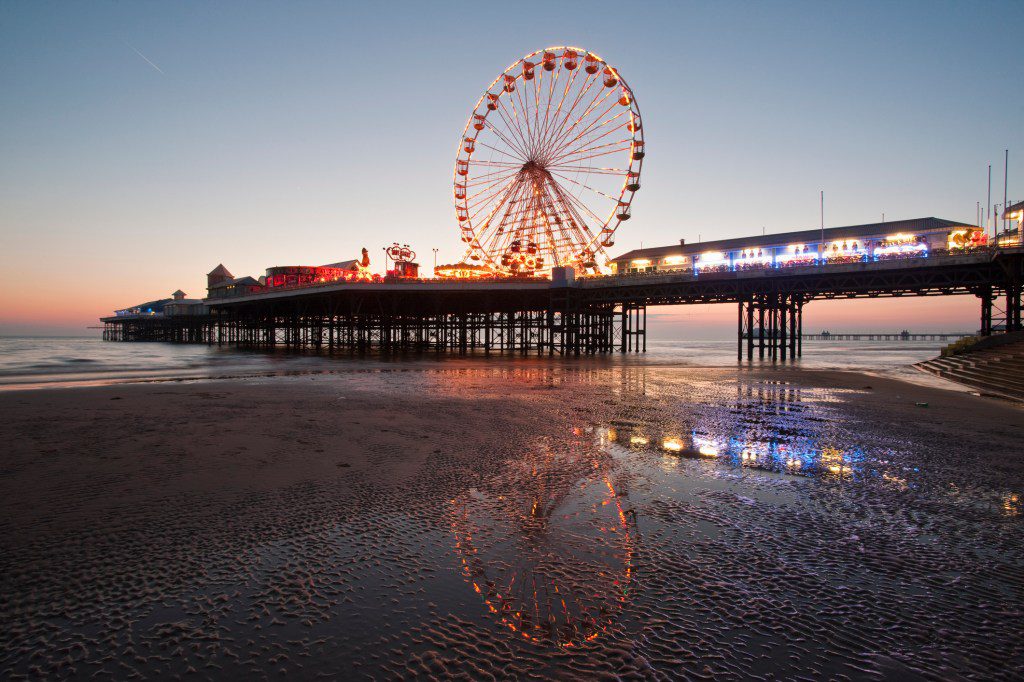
141,144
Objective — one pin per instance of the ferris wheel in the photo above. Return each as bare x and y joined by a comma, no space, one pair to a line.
548,164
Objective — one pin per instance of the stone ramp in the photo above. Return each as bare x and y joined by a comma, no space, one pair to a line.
997,371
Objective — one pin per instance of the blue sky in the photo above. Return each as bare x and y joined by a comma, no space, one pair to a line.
261,134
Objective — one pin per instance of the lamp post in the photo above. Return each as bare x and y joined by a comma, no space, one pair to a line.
435,262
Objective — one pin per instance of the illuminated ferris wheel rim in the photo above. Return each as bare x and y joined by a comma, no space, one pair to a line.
573,228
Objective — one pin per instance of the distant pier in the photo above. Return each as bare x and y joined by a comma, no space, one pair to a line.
884,336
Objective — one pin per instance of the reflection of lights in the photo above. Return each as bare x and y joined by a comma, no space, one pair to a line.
748,456
523,613
672,444
900,483
794,463
834,462
612,434
639,440
705,447
1012,504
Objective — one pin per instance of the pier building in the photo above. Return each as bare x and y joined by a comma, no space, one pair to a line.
850,244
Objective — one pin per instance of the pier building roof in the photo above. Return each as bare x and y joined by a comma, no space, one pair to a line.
914,225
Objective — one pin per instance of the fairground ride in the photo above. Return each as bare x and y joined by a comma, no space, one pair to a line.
548,164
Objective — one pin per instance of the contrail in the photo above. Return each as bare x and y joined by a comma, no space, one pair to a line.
144,57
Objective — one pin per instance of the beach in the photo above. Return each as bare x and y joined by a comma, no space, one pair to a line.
512,518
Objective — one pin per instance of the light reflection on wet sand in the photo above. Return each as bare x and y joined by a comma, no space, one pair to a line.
572,522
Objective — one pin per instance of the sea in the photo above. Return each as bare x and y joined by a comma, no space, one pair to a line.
36,362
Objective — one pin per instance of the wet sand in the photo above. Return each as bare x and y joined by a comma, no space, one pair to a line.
513,520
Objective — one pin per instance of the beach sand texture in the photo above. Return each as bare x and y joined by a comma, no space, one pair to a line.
507,520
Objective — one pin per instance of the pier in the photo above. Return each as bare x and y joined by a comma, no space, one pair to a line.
587,316
883,336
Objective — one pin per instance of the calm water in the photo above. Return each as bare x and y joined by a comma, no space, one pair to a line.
41,362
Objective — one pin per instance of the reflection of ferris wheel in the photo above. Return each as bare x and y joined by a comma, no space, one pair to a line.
548,163
553,557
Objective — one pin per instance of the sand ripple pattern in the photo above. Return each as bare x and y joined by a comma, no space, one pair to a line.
511,521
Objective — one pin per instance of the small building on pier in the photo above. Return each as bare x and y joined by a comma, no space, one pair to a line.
177,304
220,283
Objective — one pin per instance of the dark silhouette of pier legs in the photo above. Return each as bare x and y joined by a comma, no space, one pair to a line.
566,327
985,294
778,330
634,328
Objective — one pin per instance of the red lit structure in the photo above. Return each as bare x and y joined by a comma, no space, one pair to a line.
402,257
310,275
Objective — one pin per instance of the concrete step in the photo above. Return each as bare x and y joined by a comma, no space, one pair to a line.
984,387
997,371
1010,384
986,381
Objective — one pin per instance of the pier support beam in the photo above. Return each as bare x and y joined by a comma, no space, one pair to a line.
774,323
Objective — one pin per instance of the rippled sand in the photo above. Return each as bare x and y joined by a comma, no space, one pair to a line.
513,520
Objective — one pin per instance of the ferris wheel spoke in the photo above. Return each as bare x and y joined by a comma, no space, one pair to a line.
522,127
590,136
588,85
592,127
511,200
494,205
515,147
594,169
559,141
489,193
491,238
523,121
558,110
537,102
521,146
582,206
572,207
585,186
488,176
505,195
582,161
550,95
530,132
590,152
498,164
591,106
502,152
483,203
568,215
592,139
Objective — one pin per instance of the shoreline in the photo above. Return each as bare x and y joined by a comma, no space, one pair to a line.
425,363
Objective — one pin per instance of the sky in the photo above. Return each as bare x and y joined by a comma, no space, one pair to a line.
143,143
